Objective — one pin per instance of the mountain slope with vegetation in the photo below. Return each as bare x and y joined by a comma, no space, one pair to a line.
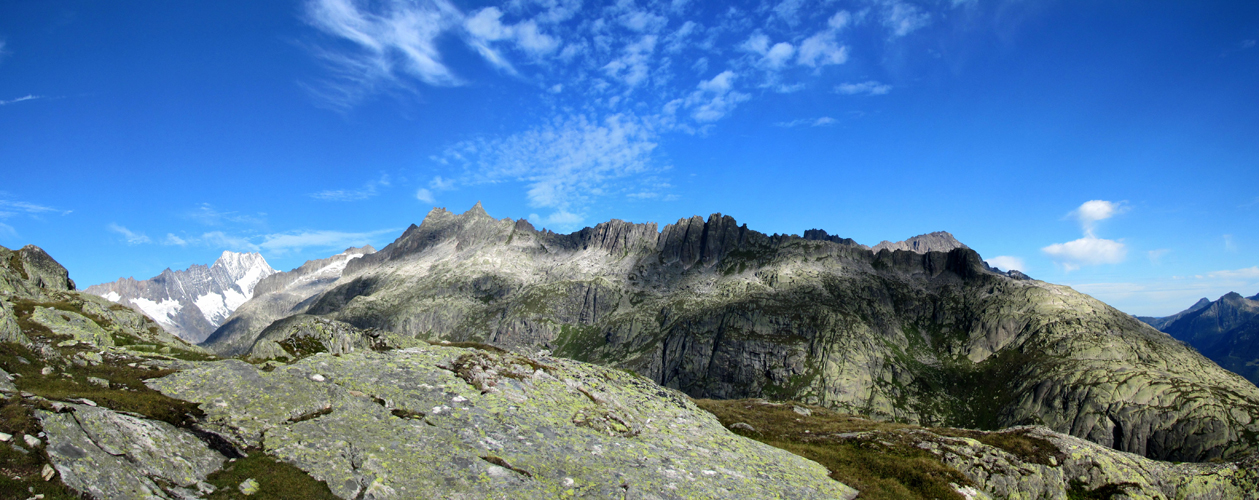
717,310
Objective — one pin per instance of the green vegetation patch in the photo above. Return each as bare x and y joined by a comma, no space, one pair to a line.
21,467
1019,443
277,480
883,464
67,381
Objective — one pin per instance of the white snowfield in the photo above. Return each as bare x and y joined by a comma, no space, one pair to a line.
163,312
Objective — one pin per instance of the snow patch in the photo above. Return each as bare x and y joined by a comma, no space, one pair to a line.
163,312
112,296
213,308
234,298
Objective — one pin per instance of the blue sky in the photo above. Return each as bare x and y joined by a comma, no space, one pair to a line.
1111,146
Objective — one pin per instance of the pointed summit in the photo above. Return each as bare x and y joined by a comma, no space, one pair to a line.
939,241
477,210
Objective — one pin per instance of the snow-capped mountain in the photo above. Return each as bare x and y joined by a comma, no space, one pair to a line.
281,295
192,303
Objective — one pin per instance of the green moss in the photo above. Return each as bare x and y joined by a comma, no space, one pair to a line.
1018,443
884,466
301,346
127,391
15,263
277,480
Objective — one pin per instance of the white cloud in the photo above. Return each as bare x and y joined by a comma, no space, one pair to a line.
1229,244
425,196
1007,263
632,67
789,11
281,243
171,239
219,239
132,238
1250,273
713,99
565,165
1094,211
902,18
398,41
1156,256
28,97
8,230
561,219
822,48
368,190
486,26
868,88
1088,250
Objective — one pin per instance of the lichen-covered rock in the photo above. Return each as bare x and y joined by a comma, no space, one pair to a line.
112,455
301,335
9,329
453,422
73,324
1082,466
6,382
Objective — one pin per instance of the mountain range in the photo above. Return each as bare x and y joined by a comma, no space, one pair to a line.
193,302
920,331
450,364
1225,330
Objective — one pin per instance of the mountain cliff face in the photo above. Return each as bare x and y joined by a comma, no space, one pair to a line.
1226,331
192,303
277,296
717,310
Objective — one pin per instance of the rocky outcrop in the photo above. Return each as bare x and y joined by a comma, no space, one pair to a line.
108,454
718,310
277,296
451,422
193,302
939,241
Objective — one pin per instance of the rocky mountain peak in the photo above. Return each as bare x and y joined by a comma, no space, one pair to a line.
193,302
939,241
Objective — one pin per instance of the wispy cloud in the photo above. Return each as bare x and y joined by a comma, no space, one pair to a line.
1156,256
369,190
824,121
208,215
1230,243
426,196
297,241
28,97
1248,44
868,88
565,165
1090,250
11,207
131,237
1250,273
902,18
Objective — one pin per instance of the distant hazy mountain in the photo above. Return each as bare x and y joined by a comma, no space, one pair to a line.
1227,331
280,295
192,303
1167,320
